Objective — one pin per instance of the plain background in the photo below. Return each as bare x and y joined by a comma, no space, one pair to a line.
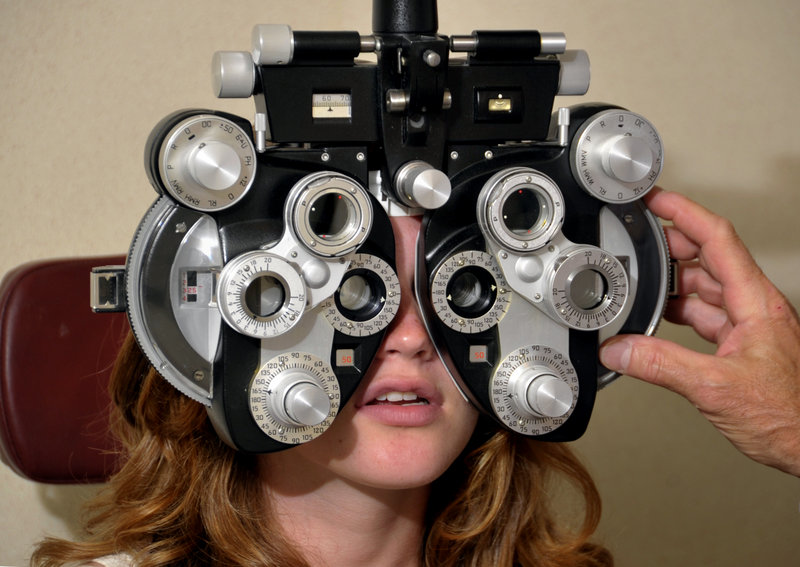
83,82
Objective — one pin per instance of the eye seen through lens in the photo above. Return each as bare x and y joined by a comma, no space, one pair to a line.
330,216
526,212
588,289
471,292
264,296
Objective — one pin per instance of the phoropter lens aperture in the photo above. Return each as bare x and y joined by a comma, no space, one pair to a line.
331,217
526,212
361,295
264,296
588,289
329,213
471,292
520,209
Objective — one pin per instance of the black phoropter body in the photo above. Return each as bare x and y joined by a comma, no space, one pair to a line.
263,279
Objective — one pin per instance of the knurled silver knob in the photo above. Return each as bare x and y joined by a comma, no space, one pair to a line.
616,156
215,165
546,395
233,74
628,159
306,403
419,184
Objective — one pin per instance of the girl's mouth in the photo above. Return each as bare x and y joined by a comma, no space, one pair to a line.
399,399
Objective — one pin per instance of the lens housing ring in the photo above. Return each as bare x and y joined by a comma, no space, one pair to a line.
520,209
378,273
328,200
484,269
567,282
245,271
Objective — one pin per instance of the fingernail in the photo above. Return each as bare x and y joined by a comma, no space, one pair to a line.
616,355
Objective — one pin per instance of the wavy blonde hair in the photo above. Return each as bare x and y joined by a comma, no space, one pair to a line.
185,498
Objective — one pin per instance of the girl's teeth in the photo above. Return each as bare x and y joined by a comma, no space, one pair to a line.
398,397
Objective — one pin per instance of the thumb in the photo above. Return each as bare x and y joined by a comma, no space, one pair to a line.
653,360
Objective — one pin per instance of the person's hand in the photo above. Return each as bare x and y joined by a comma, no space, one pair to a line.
750,388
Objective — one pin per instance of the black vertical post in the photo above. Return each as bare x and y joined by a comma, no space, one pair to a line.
404,16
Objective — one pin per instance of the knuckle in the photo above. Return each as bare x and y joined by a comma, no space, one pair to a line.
650,363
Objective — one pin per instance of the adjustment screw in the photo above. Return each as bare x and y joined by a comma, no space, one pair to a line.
432,59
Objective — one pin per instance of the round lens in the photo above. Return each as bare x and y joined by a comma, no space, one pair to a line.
526,212
264,296
588,289
465,291
471,292
330,215
361,295
355,293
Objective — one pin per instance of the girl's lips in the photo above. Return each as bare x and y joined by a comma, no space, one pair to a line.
400,403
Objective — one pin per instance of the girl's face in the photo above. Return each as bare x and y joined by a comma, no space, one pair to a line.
406,423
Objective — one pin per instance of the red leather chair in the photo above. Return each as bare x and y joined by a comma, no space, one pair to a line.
55,359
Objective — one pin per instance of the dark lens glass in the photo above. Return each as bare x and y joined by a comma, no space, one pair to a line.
329,215
525,212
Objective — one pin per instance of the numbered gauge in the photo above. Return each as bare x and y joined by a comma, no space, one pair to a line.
331,105
534,390
588,288
294,397
207,162
261,295
617,156
367,299
469,293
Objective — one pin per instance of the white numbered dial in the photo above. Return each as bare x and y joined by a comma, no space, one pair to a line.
469,293
261,295
367,298
588,288
294,397
207,162
617,156
534,390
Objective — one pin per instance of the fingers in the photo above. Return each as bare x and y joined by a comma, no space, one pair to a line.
708,321
680,247
654,360
712,239
693,278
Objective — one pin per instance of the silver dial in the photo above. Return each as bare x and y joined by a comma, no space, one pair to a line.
261,295
469,293
588,288
294,397
367,298
617,156
534,389
207,162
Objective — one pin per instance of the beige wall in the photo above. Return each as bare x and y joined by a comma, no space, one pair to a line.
84,81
